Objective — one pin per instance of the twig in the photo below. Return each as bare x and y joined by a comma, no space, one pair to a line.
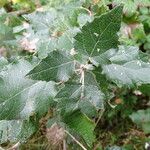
19,12
76,140
111,105
14,147
100,116
64,145
90,13
82,82
1,148
96,146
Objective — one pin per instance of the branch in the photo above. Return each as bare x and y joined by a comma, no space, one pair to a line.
100,116
19,12
76,140
14,147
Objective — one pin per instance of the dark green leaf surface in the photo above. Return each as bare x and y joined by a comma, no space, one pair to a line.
56,66
21,97
99,35
79,123
90,91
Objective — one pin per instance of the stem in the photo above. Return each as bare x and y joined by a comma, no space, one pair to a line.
19,12
76,140
14,147
100,116
82,82
64,145
111,105
90,13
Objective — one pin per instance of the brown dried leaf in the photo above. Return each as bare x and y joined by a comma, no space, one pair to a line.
28,45
55,135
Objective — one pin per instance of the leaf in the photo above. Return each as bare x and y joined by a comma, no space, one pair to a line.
92,99
114,148
127,68
142,119
40,99
129,6
56,66
42,21
55,19
21,97
5,33
3,62
145,89
7,21
79,123
121,55
130,73
84,18
63,42
125,54
16,130
141,3
99,35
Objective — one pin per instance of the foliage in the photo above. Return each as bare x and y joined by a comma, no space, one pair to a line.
72,59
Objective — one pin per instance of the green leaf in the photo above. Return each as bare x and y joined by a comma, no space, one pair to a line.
127,68
42,21
21,97
99,35
114,148
129,6
92,96
130,73
125,54
144,3
64,42
5,33
16,130
56,66
79,123
121,55
40,99
142,119
3,62
145,89
83,19
7,21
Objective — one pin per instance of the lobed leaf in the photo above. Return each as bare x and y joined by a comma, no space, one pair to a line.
99,35
127,68
21,97
92,95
